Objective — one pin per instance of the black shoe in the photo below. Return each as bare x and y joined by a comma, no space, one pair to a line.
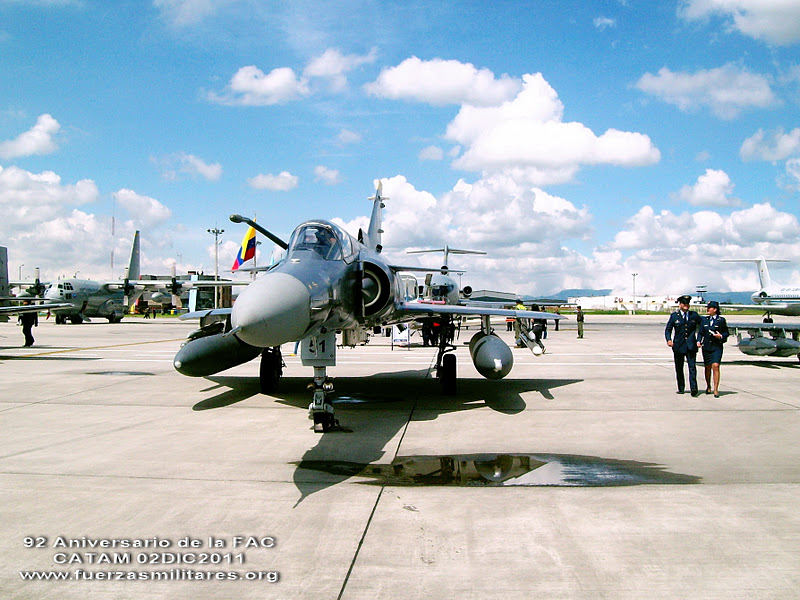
708,391
679,392
695,393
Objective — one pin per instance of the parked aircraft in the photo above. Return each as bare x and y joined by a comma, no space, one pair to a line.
329,281
767,339
85,298
773,297
33,304
440,287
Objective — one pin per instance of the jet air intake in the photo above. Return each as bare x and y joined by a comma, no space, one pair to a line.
491,356
375,288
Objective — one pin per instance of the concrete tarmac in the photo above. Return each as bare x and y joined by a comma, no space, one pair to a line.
580,475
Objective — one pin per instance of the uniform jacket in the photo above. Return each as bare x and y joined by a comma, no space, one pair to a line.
707,327
683,332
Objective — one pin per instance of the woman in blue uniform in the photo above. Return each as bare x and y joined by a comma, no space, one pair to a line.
713,333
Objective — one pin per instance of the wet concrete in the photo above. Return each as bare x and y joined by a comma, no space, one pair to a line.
502,470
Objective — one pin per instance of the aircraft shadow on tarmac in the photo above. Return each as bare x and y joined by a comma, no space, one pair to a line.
373,410
764,364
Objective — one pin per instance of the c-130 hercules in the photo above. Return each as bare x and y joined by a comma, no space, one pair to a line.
330,282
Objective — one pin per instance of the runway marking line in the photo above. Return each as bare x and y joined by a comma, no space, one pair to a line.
94,348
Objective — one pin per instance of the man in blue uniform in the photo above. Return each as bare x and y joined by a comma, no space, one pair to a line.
681,335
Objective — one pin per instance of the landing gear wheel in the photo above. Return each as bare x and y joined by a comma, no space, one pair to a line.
447,374
324,422
270,370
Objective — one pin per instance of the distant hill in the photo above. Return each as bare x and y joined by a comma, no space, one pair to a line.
581,292
729,297
721,297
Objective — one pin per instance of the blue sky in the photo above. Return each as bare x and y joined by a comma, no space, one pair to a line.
575,142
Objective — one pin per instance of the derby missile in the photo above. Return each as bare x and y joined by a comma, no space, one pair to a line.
757,346
491,356
212,354
786,347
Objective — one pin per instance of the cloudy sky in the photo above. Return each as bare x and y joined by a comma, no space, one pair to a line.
575,142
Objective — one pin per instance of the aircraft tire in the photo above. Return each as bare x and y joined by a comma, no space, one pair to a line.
447,374
76,320
270,371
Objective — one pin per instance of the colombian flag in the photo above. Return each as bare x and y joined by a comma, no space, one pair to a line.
248,249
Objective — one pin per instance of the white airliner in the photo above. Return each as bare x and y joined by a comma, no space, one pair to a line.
773,298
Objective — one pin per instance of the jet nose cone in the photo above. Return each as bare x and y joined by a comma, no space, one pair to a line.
272,310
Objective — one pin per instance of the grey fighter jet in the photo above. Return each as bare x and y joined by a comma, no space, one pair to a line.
330,282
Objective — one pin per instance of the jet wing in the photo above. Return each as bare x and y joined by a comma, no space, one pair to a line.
421,309
15,310
765,307
770,327
209,312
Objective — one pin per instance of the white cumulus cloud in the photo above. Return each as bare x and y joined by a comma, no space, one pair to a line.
726,90
442,82
774,21
326,175
282,182
143,209
334,66
713,188
250,86
773,146
526,136
37,140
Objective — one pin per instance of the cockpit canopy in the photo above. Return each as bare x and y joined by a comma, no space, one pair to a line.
326,240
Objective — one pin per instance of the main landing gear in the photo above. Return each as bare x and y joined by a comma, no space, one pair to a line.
271,370
445,360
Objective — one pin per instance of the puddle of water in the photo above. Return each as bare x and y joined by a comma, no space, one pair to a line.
503,470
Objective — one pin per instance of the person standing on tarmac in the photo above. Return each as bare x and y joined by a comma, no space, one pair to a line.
579,319
713,333
28,320
681,335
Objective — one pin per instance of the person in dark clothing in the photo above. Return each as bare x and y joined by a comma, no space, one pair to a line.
686,326
713,333
29,320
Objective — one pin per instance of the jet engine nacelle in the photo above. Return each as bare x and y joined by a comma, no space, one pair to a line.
375,289
211,354
491,356
467,291
757,346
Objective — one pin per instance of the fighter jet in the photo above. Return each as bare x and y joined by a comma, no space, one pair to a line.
329,282
773,297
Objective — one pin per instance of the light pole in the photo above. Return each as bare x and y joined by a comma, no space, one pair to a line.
20,271
216,232
634,291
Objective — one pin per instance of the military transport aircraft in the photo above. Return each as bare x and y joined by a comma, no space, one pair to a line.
84,298
328,282
773,297
32,304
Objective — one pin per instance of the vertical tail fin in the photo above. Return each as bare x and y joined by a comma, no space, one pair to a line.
764,280
133,267
4,290
374,232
